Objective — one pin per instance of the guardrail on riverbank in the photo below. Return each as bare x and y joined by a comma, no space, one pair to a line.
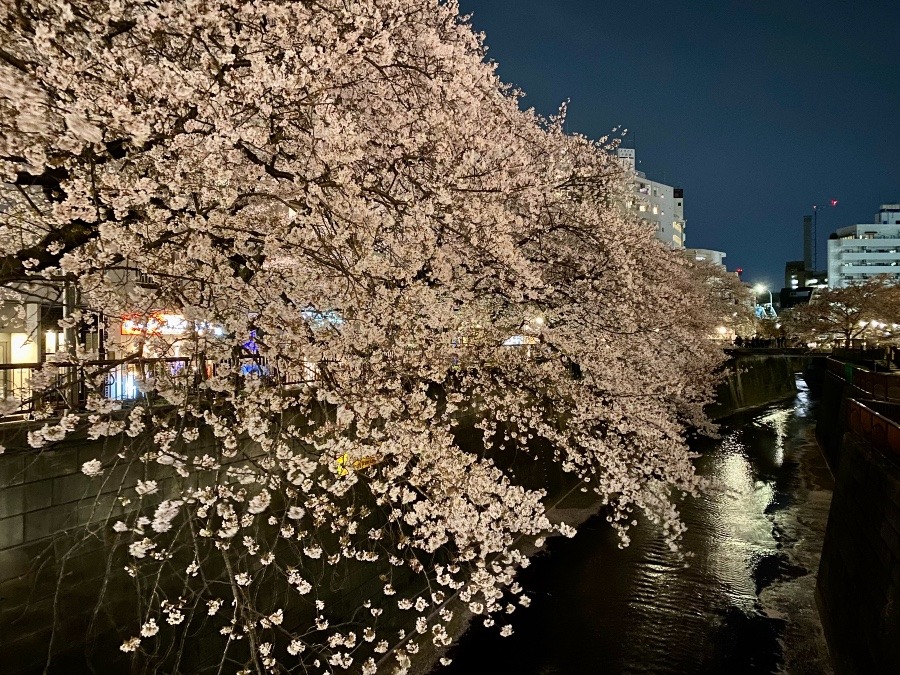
877,429
124,380
880,386
856,589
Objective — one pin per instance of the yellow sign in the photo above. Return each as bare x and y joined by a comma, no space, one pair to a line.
357,465
365,462
342,464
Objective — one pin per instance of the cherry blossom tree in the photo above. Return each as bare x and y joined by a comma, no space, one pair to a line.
729,300
842,315
346,197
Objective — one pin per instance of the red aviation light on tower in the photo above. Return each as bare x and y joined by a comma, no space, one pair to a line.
834,202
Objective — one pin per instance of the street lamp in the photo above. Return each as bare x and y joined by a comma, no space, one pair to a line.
767,311
759,288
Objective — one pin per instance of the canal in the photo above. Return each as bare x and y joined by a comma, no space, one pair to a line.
741,599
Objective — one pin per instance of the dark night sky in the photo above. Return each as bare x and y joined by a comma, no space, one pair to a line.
757,108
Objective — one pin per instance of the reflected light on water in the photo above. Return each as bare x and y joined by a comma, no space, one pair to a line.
778,422
740,531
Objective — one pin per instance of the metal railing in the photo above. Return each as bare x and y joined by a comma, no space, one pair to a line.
880,432
888,409
858,354
65,385
881,386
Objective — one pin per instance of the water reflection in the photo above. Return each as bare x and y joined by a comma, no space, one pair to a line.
777,421
729,609
738,531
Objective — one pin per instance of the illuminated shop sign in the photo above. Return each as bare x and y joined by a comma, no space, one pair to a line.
164,323
154,324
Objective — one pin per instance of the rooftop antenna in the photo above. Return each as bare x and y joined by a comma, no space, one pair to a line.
815,237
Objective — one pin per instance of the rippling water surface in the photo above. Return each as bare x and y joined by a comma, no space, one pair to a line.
743,601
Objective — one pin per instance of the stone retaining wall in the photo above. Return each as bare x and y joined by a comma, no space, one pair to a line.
858,589
755,380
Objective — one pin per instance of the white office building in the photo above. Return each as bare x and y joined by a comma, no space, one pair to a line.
659,205
859,252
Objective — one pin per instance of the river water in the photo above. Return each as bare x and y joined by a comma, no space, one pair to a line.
742,601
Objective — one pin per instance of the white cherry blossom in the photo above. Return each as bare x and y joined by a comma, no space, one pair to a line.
387,281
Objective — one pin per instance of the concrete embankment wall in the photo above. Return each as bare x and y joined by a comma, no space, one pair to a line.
755,380
61,565
62,583
51,568
831,420
858,587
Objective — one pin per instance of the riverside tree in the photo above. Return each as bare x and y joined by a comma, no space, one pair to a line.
729,300
859,310
349,190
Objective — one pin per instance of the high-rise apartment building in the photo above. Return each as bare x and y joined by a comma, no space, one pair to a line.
658,204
